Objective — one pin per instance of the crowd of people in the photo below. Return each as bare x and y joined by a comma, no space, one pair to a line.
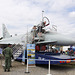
69,52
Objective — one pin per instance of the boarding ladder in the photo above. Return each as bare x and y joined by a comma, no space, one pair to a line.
17,51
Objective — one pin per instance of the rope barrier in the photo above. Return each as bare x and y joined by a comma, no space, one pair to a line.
47,59
27,71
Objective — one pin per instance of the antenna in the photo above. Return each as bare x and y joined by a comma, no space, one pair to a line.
27,34
42,15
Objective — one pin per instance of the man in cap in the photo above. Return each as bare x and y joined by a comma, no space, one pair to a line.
7,52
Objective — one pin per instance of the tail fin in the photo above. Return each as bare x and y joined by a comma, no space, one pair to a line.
5,32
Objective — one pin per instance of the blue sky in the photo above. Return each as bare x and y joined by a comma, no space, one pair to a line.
17,14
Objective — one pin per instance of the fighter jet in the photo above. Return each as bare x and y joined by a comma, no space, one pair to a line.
41,36
51,36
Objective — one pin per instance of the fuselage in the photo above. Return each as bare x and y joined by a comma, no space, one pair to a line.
59,38
54,38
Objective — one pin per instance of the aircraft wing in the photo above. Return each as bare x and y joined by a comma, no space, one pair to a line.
20,39
47,42
13,40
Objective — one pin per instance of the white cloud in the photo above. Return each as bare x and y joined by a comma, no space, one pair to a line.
61,5
72,14
20,13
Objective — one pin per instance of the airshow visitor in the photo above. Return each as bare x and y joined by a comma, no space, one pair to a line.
7,52
34,33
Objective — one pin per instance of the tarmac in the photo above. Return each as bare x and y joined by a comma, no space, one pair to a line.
19,69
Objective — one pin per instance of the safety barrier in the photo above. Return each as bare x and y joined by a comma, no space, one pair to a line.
49,70
49,73
39,60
